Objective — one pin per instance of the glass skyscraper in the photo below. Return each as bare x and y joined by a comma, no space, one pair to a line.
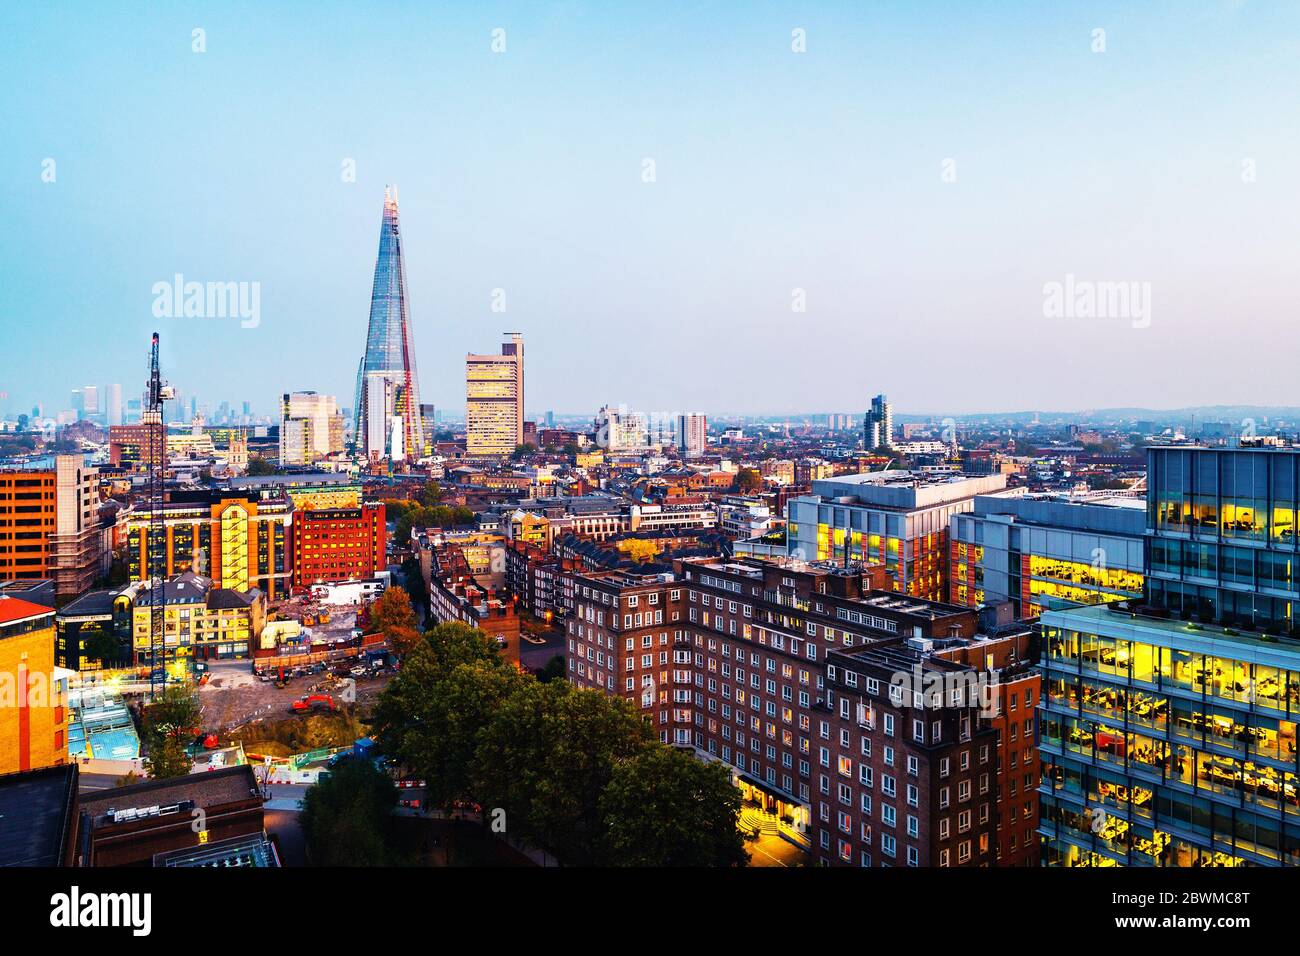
1168,728
389,345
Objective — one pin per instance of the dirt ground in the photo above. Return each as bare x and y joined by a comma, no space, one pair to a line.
234,697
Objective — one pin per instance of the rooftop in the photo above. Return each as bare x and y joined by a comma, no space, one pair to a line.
37,816
216,787
13,610
907,489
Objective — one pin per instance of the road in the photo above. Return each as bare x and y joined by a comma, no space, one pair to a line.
536,655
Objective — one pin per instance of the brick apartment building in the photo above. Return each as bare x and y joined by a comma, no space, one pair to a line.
464,587
338,544
783,670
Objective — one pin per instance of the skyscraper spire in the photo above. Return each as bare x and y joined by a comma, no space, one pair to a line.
387,385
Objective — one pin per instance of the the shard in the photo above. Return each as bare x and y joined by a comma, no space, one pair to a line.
387,409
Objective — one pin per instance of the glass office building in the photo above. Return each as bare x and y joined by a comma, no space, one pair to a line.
389,346
1041,551
1168,728
1166,743
1221,529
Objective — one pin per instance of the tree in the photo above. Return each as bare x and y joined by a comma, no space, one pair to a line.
103,645
166,758
413,581
119,572
429,716
259,466
554,669
391,612
431,495
440,516
748,480
546,755
664,807
403,640
347,818
175,714
455,642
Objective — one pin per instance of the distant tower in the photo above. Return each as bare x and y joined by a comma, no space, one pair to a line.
494,399
237,454
878,424
389,345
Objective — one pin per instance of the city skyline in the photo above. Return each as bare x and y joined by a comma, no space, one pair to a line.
755,198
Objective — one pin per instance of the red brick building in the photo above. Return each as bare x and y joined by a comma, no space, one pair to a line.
337,544
464,587
799,677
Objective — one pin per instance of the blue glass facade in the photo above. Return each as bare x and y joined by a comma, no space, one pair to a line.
1221,528
1166,743
389,345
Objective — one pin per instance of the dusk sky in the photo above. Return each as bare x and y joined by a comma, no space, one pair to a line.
1171,160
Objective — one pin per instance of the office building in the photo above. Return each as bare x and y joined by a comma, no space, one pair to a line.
1168,729
311,428
50,527
390,349
237,539
897,518
691,436
152,823
94,623
318,489
878,424
621,430
113,406
202,621
1222,536
1038,551
338,544
1167,743
494,400
129,446
34,721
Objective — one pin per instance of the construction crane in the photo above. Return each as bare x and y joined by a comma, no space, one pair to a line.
156,392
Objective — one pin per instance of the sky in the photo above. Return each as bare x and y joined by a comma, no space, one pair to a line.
892,209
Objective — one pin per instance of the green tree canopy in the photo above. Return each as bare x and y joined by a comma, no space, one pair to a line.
429,716
259,466
663,807
174,714
347,818
166,758
431,495
545,757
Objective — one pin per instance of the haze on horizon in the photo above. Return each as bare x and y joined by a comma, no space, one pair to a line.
1166,160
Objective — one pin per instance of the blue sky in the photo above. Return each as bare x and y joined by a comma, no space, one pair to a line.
775,171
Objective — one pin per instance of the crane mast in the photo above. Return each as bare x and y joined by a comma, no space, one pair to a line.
156,392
